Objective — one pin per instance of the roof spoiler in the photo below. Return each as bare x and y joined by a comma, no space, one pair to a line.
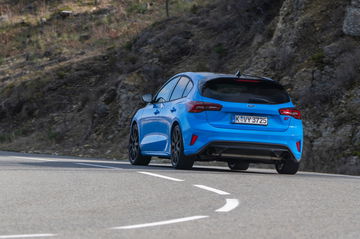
238,74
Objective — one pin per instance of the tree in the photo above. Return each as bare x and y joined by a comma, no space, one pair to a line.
167,2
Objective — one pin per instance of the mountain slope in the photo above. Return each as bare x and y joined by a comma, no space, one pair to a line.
84,108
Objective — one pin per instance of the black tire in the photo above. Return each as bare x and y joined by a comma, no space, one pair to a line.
135,156
288,166
178,159
238,165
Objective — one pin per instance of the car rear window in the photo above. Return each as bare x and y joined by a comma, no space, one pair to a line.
245,91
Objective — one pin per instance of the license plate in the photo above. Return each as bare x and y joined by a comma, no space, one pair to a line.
254,120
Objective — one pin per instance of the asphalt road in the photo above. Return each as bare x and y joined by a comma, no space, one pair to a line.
57,197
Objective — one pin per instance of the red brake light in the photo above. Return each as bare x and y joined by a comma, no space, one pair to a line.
291,112
199,106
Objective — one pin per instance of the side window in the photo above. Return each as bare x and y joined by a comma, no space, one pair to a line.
179,89
188,89
165,92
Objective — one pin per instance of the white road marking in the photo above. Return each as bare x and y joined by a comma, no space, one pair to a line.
214,190
96,165
153,224
39,159
230,204
162,176
27,236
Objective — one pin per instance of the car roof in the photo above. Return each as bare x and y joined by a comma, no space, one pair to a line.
205,76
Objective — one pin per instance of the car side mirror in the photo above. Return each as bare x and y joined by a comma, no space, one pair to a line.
148,98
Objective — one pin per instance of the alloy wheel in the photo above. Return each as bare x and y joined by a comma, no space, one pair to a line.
134,144
176,146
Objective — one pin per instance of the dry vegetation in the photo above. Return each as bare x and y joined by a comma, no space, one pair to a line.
35,35
70,84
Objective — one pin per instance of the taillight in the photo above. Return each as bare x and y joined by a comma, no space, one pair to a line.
245,80
199,106
291,112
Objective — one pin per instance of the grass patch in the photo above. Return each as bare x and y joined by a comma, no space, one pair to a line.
54,136
5,138
7,90
137,7
318,59
194,9
356,153
128,45
61,74
220,49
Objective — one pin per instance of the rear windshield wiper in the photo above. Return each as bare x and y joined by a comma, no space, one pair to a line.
260,100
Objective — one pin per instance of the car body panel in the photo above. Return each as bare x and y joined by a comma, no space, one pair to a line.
155,123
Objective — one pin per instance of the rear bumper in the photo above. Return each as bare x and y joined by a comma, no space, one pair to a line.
245,151
242,142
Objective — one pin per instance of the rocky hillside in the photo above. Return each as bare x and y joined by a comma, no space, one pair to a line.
310,46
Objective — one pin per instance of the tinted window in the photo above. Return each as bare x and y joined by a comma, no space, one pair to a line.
189,87
165,92
179,89
245,91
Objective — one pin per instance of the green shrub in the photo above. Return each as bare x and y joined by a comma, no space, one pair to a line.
356,153
220,49
7,90
128,45
318,58
21,132
5,137
194,9
140,8
61,74
54,136
65,8
200,66
131,58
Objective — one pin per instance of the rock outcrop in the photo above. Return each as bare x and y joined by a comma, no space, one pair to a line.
352,19
85,108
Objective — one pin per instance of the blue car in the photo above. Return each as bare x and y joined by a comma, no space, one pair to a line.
238,119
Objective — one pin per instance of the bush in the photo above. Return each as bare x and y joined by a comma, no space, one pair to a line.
54,136
128,45
318,58
220,49
4,138
140,8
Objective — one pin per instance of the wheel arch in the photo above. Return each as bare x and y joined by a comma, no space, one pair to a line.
176,122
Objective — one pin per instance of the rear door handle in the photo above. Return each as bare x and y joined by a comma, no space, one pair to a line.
156,112
173,110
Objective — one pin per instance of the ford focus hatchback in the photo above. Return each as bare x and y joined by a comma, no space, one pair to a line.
238,119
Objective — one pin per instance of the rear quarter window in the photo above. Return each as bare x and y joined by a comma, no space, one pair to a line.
245,91
188,88
179,89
